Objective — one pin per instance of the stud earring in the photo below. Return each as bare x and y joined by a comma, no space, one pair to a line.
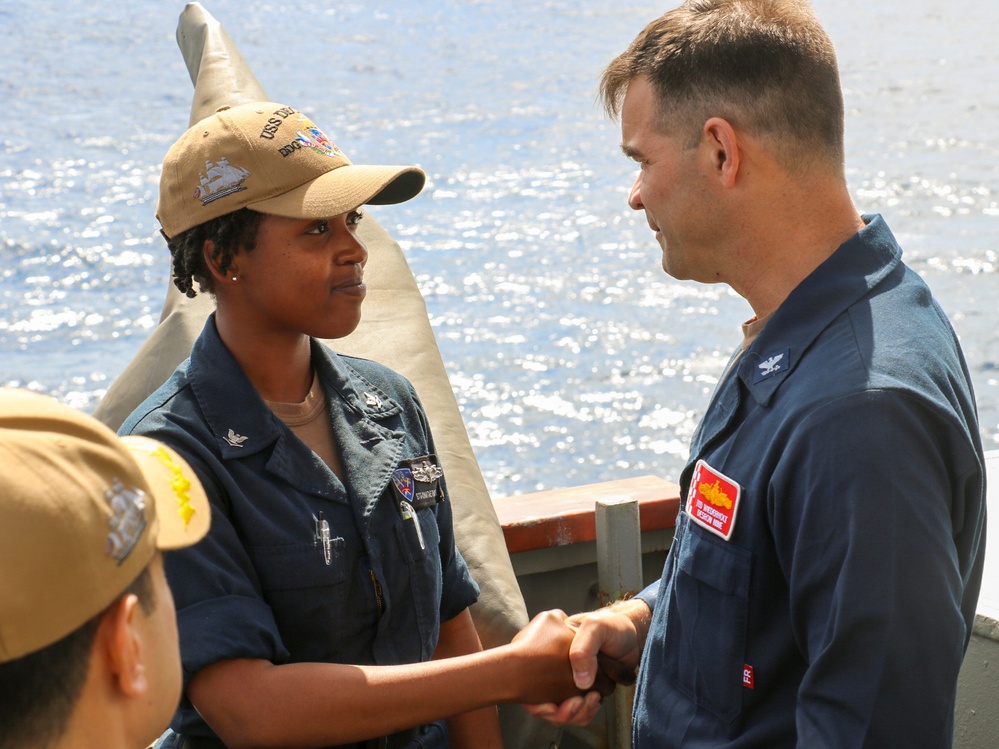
234,278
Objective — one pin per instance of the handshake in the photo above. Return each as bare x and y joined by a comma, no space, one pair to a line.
568,664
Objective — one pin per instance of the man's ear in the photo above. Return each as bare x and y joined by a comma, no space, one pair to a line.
726,157
123,646
217,275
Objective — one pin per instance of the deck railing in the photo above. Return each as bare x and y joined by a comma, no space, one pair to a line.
586,546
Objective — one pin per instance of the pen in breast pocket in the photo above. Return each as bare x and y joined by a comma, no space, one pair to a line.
323,536
408,513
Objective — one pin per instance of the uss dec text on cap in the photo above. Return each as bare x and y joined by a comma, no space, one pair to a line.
271,158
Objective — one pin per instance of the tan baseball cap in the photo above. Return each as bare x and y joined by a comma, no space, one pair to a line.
82,513
273,159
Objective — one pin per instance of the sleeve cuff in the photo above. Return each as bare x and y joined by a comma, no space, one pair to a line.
225,628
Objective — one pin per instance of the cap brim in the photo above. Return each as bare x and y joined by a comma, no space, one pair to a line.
182,511
345,188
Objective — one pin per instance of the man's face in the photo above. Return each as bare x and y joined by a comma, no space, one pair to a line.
672,187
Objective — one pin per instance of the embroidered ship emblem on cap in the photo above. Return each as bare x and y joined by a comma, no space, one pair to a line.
127,521
220,179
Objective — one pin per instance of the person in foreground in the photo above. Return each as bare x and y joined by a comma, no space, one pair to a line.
88,640
325,604
821,587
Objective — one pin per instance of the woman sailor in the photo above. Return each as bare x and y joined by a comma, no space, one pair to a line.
330,578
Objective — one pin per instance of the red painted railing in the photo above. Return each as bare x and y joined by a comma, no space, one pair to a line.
566,516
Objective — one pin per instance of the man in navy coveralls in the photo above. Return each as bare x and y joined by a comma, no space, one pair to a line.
821,587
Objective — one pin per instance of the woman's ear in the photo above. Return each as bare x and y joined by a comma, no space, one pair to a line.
232,272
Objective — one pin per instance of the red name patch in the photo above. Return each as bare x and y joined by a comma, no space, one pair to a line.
748,678
713,500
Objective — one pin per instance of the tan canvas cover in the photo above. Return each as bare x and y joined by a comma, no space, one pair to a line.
395,330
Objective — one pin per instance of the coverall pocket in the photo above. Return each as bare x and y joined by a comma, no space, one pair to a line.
306,595
422,552
706,627
419,537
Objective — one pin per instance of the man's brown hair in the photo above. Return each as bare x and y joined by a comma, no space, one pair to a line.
766,66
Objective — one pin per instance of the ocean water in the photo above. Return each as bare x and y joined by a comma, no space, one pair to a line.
573,357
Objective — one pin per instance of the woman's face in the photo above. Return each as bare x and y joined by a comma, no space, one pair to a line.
305,277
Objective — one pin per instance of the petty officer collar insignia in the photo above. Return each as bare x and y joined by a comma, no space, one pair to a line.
236,440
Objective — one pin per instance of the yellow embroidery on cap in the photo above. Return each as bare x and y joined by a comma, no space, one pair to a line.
179,484
715,495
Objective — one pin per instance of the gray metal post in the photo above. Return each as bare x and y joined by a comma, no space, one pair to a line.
619,575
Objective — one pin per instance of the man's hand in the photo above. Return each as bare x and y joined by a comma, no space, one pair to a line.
606,647
610,639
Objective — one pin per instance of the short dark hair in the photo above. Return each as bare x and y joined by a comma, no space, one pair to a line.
766,66
228,234
41,689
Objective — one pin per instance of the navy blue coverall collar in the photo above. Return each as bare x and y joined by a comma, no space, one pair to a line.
223,391
857,266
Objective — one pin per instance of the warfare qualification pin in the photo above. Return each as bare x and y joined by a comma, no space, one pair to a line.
417,482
